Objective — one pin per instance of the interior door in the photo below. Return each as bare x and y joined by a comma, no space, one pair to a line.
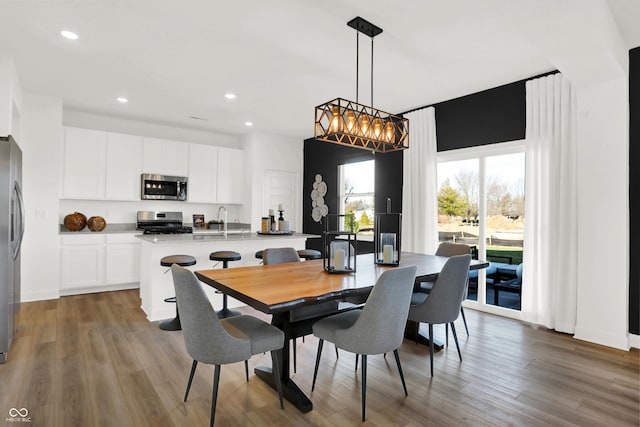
283,187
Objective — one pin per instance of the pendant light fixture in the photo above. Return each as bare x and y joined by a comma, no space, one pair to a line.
356,125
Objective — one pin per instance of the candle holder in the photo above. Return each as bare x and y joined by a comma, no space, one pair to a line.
339,246
387,238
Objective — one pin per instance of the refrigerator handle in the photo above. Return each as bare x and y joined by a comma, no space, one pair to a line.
18,192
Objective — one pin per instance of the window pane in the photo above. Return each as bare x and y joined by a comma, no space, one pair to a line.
357,193
458,194
505,228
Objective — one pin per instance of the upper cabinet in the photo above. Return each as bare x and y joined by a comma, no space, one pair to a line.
123,167
203,169
216,174
102,165
230,175
83,174
165,157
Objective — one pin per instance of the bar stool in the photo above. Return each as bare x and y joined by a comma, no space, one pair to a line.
168,261
225,257
309,254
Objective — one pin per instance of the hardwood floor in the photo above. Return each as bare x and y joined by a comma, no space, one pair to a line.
94,360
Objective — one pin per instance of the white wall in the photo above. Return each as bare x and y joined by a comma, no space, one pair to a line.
10,99
603,213
41,159
271,152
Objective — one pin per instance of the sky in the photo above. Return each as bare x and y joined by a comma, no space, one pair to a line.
508,168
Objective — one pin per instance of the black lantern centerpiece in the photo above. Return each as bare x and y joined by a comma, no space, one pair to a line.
339,244
387,238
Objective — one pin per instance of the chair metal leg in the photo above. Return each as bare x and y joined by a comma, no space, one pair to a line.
464,319
246,369
193,371
214,393
431,347
404,385
455,338
446,334
295,356
337,355
357,355
364,384
315,371
276,375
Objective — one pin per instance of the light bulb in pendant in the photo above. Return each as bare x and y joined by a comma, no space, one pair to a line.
364,126
336,120
377,128
351,121
389,133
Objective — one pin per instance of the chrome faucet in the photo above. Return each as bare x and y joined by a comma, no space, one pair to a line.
222,208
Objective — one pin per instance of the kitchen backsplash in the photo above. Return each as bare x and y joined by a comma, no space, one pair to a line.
125,212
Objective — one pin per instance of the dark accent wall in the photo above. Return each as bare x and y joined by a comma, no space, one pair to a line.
634,192
487,117
324,158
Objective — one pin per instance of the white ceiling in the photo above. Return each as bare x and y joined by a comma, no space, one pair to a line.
175,59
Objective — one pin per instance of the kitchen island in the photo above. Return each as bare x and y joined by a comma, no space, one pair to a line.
156,282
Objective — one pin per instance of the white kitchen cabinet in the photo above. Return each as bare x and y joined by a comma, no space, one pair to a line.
99,262
203,173
83,262
123,167
165,157
83,166
122,259
230,175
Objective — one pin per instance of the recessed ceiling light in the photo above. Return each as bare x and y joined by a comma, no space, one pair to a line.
230,95
122,100
248,123
69,35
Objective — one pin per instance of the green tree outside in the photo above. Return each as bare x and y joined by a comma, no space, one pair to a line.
365,222
350,223
450,202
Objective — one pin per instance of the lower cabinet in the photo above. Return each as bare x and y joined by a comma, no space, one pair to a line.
122,259
96,263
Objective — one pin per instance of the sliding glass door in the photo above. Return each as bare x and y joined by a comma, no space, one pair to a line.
481,203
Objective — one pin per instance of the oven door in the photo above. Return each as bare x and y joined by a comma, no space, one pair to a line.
162,187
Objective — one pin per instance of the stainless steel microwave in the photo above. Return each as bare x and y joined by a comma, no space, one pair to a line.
163,187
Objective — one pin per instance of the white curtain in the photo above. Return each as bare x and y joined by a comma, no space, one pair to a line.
549,284
419,192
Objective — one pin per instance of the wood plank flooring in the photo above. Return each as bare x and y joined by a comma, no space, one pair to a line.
94,360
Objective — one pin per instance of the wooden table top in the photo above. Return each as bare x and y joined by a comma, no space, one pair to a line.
281,287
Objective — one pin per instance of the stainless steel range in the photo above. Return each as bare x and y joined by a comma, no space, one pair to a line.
152,222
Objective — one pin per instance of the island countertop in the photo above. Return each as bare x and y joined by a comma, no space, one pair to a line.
219,237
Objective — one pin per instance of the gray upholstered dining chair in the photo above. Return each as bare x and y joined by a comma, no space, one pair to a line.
217,342
282,255
442,304
377,328
449,249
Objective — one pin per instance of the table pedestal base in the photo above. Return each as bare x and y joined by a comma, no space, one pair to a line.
290,390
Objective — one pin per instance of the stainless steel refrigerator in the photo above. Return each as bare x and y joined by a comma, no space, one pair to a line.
11,232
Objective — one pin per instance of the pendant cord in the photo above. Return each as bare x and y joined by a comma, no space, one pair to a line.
371,72
357,61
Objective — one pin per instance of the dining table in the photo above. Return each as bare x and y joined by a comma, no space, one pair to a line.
277,289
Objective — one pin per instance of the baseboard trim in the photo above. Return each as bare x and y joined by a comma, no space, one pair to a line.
95,289
634,341
39,296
